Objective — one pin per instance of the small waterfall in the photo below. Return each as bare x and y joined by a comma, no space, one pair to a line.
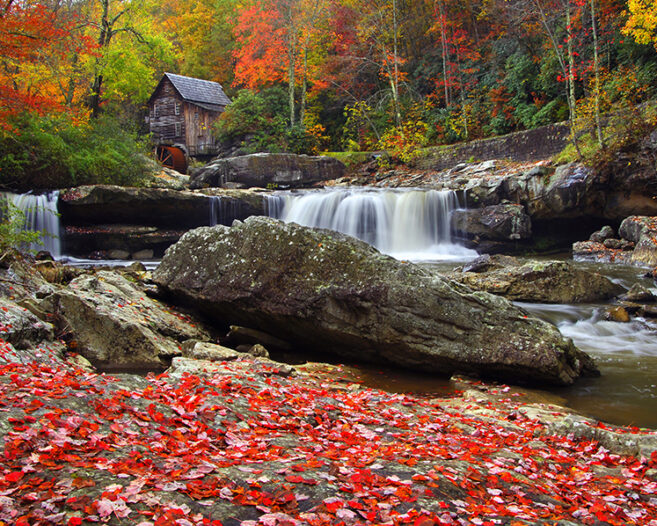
40,216
223,210
411,224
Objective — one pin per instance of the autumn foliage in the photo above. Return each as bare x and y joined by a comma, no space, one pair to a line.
246,444
357,74
33,40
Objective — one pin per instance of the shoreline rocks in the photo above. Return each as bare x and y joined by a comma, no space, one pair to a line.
267,170
536,281
636,243
328,292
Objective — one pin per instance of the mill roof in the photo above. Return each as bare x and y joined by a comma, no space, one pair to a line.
204,93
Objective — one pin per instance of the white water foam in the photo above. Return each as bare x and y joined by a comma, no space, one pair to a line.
40,216
411,225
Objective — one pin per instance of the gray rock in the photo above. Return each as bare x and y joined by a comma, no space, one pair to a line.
325,291
143,254
639,294
116,253
268,170
258,351
606,232
114,325
209,352
642,231
615,244
498,223
539,281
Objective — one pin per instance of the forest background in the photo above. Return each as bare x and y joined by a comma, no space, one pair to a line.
313,75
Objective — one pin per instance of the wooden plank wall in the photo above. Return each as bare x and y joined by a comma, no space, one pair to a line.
194,123
198,122
163,121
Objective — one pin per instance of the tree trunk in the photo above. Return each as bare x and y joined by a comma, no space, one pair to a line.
103,42
596,70
395,83
444,52
572,101
304,86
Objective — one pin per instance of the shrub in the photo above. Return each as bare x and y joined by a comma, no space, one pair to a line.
56,152
13,235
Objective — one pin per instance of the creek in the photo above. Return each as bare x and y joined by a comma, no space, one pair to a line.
406,224
414,225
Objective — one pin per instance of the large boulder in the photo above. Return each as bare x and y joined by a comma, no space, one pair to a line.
539,281
113,324
104,204
642,231
493,226
324,291
271,170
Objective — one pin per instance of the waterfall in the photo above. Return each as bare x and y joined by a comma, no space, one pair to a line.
40,216
223,210
413,224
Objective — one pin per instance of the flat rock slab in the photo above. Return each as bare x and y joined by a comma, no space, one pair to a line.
539,281
103,204
242,444
328,292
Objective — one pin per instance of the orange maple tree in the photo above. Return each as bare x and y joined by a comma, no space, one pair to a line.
30,35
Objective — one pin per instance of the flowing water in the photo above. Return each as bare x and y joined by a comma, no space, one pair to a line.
223,210
626,354
411,225
415,225
40,216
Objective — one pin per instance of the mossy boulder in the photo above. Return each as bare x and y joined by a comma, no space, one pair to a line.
327,292
539,281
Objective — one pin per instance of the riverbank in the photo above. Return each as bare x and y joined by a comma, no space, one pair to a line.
248,442
234,439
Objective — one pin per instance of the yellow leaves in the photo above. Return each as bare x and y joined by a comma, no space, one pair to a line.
642,22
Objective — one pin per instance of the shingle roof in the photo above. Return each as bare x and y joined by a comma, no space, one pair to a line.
199,91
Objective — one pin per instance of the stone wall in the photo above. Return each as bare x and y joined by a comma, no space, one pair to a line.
530,145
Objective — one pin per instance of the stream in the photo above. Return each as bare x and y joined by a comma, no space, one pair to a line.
414,224
626,354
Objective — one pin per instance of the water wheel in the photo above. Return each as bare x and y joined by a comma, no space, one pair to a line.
172,157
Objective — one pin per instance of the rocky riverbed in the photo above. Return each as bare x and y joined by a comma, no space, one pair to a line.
223,437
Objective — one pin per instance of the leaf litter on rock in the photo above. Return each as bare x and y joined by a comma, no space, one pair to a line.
250,447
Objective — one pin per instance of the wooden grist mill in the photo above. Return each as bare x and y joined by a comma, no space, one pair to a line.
182,111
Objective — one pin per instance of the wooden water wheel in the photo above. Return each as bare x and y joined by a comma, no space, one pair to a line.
172,157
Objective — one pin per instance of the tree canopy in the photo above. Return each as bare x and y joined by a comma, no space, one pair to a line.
359,74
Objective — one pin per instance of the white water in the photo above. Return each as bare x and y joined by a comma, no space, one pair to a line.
410,225
223,210
626,354
40,216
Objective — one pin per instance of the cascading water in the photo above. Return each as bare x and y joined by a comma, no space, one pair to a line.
40,216
413,224
223,210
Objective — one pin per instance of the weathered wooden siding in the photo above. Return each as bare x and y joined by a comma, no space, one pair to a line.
173,120
198,122
167,125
